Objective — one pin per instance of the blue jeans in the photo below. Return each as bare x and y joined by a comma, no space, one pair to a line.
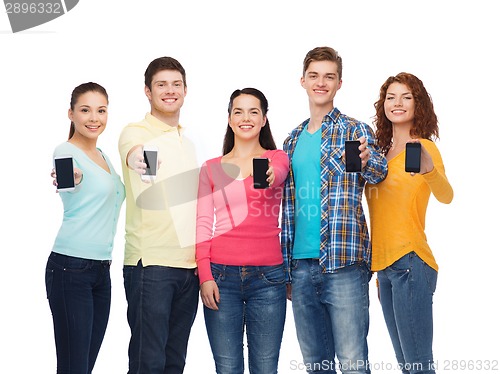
251,296
331,316
79,294
406,291
162,306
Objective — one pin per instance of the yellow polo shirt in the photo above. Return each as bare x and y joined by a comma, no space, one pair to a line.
161,215
397,207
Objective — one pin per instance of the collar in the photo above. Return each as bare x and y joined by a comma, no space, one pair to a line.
155,122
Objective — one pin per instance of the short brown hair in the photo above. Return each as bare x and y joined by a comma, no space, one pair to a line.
163,63
323,54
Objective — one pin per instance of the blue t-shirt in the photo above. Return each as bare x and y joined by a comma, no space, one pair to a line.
306,174
91,211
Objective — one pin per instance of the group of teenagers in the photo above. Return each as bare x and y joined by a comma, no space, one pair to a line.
206,232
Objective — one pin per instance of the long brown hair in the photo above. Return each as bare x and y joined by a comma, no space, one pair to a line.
79,91
425,123
266,139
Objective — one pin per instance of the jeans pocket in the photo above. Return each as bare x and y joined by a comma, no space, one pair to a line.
430,276
217,272
274,275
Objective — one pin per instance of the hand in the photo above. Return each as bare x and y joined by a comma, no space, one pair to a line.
270,174
209,292
135,160
426,163
289,291
365,151
78,175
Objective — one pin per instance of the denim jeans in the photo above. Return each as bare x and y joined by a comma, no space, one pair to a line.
79,294
162,306
406,291
331,316
253,297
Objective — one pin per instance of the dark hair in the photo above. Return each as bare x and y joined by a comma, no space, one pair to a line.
79,91
425,123
265,136
323,54
163,63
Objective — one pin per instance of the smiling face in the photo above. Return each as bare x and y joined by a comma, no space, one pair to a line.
89,115
246,118
399,105
321,81
166,94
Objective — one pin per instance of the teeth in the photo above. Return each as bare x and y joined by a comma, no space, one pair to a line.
246,127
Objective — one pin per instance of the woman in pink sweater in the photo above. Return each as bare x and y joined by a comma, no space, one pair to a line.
238,249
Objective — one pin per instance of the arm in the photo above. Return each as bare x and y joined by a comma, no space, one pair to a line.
279,166
434,173
209,291
204,224
373,161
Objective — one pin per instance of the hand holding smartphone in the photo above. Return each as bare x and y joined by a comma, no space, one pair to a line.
65,173
260,167
352,159
412,157
150,154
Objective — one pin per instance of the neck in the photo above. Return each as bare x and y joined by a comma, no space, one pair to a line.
171,119
400,134
83,143
243,149
317,114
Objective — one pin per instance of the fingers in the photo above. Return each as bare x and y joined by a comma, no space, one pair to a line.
365,151
271,176
209,293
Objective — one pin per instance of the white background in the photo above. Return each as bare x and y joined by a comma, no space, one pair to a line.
224,45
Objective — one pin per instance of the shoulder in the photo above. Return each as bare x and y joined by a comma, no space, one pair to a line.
429,145
64,149
275,153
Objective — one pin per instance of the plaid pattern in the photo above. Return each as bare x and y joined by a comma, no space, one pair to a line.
344,237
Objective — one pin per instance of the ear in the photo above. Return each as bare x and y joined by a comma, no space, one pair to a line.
340,85
302,81
70,115
265,121
147,91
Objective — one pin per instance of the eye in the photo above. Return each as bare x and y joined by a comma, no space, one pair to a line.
85,110
102,111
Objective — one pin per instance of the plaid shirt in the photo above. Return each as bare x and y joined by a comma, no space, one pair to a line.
344,238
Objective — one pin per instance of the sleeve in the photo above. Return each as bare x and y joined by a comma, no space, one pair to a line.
204,224
436,179
281,165
375,170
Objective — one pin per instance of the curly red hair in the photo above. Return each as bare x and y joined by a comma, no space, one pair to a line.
425,123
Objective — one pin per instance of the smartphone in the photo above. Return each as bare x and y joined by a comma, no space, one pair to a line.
352,159
65,173
151,161
260,167
412,157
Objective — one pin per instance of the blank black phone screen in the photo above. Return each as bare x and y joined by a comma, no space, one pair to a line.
352,159
260,167
64,173
151,160
412,158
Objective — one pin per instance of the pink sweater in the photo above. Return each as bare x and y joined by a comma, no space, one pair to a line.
237,224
